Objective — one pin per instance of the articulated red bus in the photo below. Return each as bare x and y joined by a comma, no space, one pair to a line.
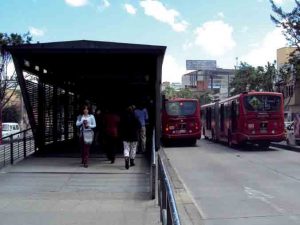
250,117
181,119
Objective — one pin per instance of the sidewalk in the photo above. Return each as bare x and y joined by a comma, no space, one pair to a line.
59,191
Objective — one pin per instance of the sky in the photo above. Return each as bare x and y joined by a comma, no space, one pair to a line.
229,31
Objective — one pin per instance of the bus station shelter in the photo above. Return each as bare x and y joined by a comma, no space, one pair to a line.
55,78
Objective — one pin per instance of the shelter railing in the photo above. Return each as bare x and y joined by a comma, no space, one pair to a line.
153,167
166,200
16,147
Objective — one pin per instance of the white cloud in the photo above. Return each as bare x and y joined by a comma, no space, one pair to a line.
266,50
280,2
244,29
105,3
76,3
187,45
172,70
215,37
221,15
157,10
36,31
130,9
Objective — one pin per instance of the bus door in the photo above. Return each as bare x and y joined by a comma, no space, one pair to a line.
233,117
222,119
216,119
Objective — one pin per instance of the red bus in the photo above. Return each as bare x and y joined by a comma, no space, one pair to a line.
250,117
181,119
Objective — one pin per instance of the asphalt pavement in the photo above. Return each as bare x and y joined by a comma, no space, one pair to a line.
240,186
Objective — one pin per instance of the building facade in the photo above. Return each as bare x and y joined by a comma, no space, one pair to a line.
290,88
216,80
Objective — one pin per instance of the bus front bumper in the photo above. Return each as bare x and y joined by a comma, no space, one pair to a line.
196,135
264,137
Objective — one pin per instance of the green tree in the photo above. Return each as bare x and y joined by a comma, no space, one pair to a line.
205,98
244,79
289,21
169,92
11,114
268,76
184,93
7,81
249,78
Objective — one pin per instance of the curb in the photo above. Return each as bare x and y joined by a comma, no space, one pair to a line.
287,147
188,212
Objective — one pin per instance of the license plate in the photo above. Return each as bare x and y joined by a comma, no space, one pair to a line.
263,131
181,131
182,126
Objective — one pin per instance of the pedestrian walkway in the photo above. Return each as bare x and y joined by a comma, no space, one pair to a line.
57,190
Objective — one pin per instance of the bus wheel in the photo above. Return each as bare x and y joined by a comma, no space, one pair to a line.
203,132
213,136
193,142
229,140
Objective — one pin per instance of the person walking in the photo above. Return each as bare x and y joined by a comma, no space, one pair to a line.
98,129
111,122
86,122
129,133
141,114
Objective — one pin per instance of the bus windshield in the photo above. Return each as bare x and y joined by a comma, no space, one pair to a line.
5,127
262,103
184,108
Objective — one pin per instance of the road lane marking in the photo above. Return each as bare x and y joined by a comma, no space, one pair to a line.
255,194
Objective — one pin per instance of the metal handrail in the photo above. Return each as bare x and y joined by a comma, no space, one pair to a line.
20,132
13,149
153,167
168,210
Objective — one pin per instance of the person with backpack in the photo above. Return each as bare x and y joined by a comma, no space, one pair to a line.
129,133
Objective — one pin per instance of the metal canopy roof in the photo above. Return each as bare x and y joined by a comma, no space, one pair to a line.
92,65
88,46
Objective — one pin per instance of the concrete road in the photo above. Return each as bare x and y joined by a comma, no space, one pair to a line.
234,187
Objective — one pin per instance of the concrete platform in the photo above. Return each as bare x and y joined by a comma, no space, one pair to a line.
52,191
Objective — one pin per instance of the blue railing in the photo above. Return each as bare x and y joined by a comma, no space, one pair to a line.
153,167
166,200
16,147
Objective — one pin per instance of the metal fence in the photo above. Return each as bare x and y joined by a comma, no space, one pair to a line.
166,200
153,167
16,147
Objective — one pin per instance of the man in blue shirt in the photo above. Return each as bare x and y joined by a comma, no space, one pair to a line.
141,114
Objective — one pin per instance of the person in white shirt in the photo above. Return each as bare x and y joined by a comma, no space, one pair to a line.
86,122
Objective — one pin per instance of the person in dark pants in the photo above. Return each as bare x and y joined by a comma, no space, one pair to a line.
111,122
86,122
129,133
